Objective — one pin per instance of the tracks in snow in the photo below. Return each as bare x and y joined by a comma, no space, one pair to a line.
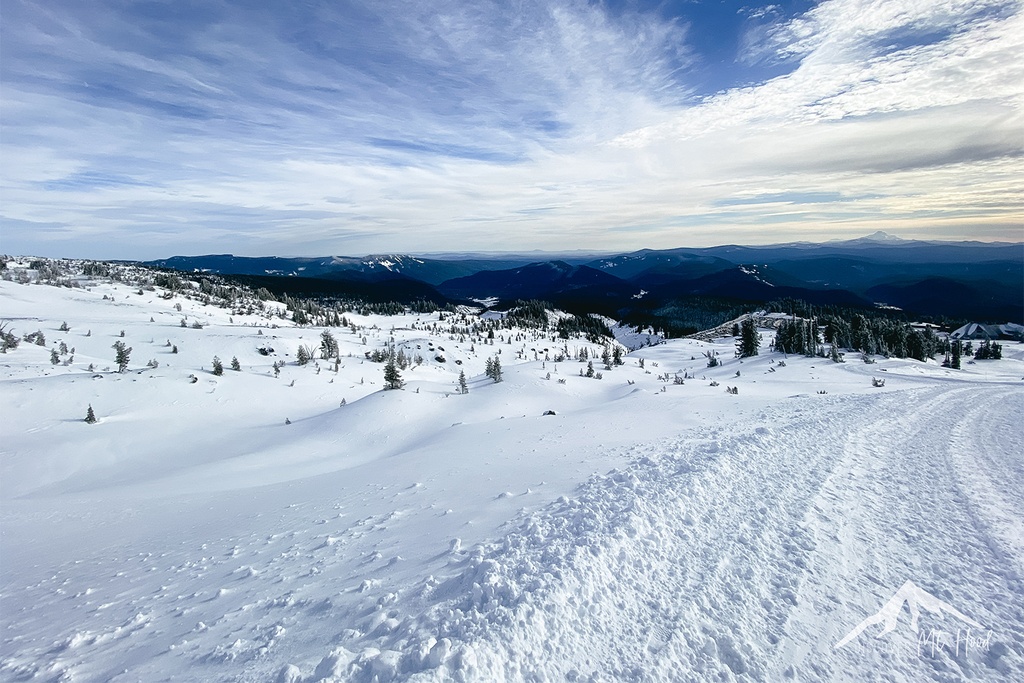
741,556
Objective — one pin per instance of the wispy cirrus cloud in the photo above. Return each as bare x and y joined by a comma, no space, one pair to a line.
396,126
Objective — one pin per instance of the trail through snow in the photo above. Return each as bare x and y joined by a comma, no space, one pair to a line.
744,555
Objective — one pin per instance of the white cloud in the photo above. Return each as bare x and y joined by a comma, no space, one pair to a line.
583,133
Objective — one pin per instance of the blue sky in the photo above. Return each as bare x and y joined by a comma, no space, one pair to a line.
146,129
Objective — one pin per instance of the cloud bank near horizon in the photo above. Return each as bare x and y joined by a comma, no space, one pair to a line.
155,128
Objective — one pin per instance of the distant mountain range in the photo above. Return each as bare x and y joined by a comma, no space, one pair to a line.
972,280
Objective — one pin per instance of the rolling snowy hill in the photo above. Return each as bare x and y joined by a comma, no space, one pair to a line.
308,526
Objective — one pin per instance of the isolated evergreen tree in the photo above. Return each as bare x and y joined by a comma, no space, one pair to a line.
617,355
463,385
496,370
235,365
392,378
590,368
218,367
328,345
749,340
54,357
606,358
90,416
122,355
303,356
489,367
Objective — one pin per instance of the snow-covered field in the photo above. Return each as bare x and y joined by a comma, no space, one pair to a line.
647,531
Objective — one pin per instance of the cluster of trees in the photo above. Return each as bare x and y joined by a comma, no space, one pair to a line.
530,314
492,369
687,315
988,350
329,312
611,355
388,354
882,336
594,329
872,336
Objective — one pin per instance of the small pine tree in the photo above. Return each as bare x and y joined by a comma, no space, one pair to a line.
590,368
218,367
64,327
302,355
489,367
496,370
957,353
54,357
328,345
8,340
392,377
749,340
463,386
122,355
235,365
90,416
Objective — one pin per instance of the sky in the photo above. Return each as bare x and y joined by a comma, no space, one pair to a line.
147,129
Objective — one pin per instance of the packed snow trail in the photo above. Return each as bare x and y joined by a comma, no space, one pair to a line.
743,555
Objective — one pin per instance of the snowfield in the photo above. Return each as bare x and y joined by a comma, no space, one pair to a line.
312,527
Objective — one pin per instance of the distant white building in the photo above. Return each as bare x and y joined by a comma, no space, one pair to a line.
991,332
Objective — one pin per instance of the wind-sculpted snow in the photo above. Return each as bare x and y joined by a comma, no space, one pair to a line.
704,560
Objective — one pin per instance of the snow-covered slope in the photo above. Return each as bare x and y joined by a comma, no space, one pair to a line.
647,530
